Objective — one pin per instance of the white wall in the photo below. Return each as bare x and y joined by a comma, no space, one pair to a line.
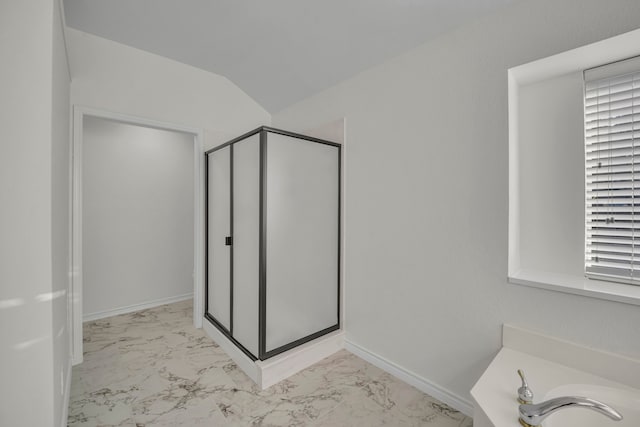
551,144
427,184
33,224
137,215
114,77
60,220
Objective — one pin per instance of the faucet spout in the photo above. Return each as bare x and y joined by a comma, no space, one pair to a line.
532,415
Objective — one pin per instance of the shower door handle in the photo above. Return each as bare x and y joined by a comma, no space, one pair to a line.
228,241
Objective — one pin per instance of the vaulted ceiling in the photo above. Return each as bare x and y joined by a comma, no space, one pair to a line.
277,51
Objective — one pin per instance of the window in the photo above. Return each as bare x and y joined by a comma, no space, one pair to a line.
612,170
547,194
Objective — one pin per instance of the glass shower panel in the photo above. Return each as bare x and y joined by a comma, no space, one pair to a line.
302,210
219,227
246,241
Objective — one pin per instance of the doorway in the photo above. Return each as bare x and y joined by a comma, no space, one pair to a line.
136,217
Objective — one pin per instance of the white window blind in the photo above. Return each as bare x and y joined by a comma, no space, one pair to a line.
612,169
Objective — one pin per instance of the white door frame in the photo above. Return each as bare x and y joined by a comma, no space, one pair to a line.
79,112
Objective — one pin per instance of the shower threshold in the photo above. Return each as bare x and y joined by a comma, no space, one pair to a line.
266,373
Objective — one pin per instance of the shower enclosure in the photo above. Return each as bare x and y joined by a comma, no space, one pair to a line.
273,240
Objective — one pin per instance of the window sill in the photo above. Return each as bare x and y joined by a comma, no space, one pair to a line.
577,285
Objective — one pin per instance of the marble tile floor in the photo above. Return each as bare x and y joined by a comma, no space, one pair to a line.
153,368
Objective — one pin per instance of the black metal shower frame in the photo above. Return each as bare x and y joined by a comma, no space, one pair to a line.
262,262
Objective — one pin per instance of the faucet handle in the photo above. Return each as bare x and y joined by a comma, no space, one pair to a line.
525,395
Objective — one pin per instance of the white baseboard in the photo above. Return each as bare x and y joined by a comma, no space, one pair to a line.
135,307
67,395
422,384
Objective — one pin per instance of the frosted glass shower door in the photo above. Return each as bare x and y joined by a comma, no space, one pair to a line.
246,241
302,237
218,228
273,209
